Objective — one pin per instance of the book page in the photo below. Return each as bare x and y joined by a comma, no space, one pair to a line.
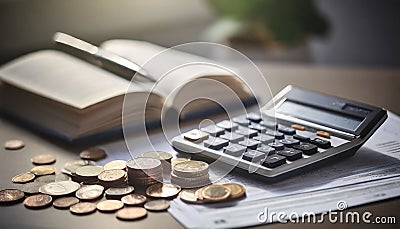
63,78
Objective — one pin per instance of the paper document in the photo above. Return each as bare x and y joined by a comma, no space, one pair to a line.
372,174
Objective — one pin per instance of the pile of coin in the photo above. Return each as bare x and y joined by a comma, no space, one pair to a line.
213,193
143,172
190,174
164,157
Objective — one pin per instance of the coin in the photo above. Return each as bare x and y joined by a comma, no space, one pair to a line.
157,205
111,175
89,192
116,164
143,163
237,190
109,205
43,170
215,192
160,155
118,192
191,169
189,196
14,144
176,161
94,154
43,159
38,201
133,199
89,171
72,166
8,196
23,177
83,208
65,202
53,178
163,190
199,195
59,188
31,187
131,213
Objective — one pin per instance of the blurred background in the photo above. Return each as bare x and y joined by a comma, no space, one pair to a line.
360,33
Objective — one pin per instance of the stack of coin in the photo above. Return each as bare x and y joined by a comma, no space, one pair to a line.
190,174
143,172
88,174
164,157
113,178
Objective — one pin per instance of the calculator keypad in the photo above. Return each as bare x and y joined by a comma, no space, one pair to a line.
266,143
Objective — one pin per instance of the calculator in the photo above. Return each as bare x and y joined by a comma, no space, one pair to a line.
296,131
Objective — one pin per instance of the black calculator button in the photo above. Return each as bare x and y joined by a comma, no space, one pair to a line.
290,154
286,130
324,144
289,142
274,161
215,143
246,132
227,125
234,149
277,145
307,148
250,143
264,138
268,150
254,117
301,138
213,130
241,120
253,155
258,127
269,124
232,137
276,134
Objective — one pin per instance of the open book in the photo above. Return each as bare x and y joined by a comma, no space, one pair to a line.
70,98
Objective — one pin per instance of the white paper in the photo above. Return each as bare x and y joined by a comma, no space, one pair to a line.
372,174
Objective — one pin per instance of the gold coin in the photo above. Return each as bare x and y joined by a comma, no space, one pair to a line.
176,161
14,144
163,190
215,192
109,205
43,159
157,205
116,164
83,208
131,213
38,201
237,190
160,155
23,177
43,170
190,196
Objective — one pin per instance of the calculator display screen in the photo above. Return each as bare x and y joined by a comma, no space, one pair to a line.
319,116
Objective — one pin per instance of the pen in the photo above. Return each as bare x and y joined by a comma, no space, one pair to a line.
100,57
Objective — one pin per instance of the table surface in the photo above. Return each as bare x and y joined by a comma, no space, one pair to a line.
376,87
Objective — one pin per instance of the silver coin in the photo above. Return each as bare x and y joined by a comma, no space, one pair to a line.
59,188
89,192
119,191
157,205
